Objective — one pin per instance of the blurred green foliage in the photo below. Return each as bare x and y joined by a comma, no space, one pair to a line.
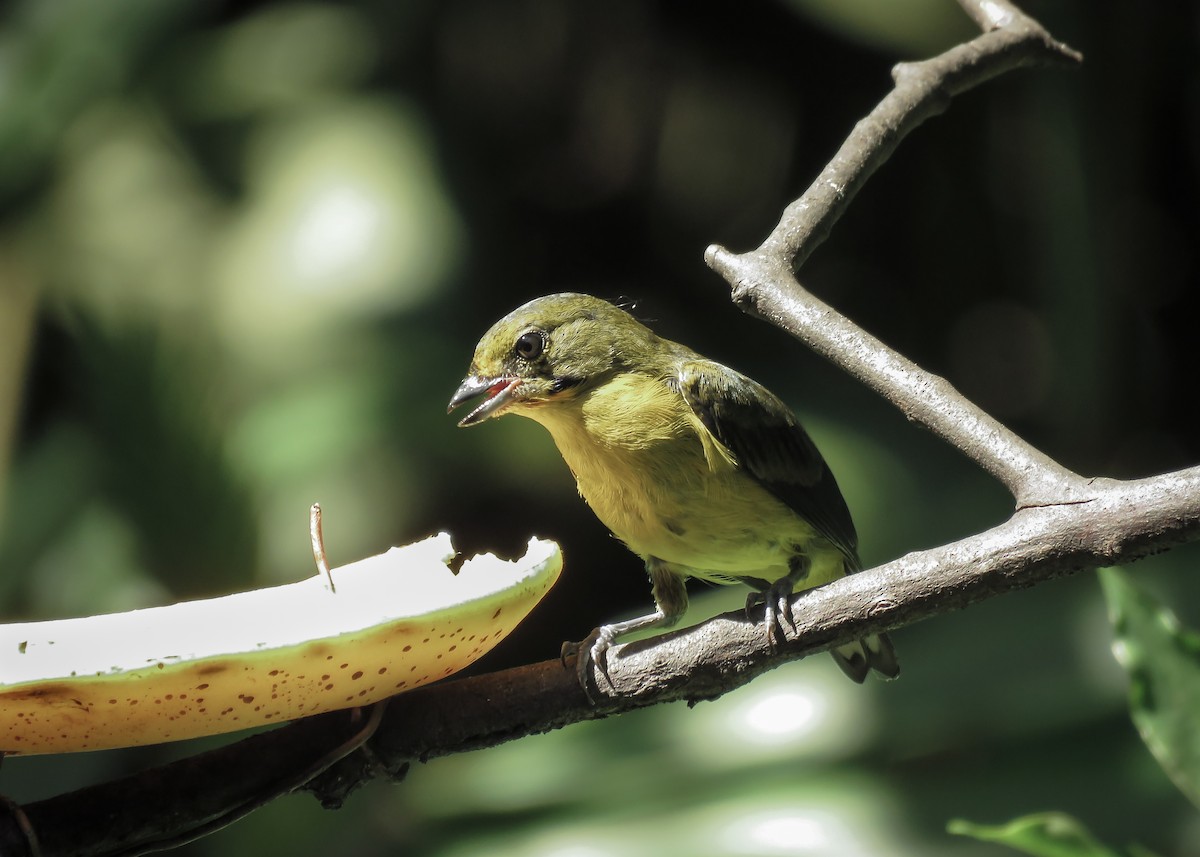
246,250
1163,662
1049,834
1162,659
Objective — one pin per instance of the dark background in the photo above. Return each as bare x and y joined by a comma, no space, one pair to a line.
246,251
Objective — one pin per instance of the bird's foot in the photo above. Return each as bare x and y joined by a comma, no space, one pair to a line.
776,600
593,649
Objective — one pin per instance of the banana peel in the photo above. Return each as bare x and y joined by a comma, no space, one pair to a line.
396,621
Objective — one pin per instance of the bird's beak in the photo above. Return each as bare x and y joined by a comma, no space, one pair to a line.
499,392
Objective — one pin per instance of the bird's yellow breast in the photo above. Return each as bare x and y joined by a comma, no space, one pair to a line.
655,476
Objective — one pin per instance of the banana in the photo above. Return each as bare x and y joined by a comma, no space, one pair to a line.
396,621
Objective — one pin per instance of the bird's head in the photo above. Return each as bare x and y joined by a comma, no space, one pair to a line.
549,351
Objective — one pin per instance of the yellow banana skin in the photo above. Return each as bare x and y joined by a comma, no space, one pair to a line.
396,621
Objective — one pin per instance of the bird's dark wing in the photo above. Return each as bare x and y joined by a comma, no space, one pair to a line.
770,444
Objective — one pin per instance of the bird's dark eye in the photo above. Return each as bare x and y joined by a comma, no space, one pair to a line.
529,345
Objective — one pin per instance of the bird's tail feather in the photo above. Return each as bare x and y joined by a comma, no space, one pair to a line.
870,653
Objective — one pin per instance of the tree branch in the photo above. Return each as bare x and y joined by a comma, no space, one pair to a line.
1117,523
1063,523
922,90
763,283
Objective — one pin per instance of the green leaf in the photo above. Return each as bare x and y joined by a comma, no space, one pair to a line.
1163,663
1046,834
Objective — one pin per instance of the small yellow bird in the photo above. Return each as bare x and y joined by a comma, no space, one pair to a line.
699,470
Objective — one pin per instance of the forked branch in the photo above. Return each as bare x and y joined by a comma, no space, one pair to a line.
763,282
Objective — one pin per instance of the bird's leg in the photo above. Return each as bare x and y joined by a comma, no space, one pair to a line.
670,599
755,597
776,598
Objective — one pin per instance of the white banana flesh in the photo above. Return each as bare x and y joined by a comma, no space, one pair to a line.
396,621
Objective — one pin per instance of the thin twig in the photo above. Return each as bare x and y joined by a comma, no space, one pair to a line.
317,536
922,90
763,283
770,291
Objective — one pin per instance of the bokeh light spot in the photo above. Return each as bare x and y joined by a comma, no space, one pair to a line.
782,715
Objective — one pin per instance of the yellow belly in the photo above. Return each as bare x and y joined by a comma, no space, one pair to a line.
642,465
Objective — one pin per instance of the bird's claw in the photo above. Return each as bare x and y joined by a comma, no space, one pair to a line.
776,600
592,650
753,599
